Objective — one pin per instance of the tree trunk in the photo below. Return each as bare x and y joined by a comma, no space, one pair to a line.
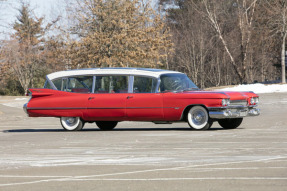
283,58
213,20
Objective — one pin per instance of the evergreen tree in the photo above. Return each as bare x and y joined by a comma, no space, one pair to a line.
125,33
28,29
23,53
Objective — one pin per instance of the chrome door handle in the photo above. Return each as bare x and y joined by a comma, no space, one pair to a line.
91,98
130,97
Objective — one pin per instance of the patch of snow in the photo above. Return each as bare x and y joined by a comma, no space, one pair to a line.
14,104
20,99
17,102
259,88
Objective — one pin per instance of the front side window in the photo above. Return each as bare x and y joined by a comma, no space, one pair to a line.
144,84
111,84
176,82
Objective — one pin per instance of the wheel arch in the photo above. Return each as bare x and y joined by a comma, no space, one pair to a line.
187,108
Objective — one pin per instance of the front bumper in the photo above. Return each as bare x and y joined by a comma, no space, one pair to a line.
222,113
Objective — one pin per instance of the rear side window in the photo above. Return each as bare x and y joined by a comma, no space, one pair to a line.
77,84
47,85
111,84
144,84
58,84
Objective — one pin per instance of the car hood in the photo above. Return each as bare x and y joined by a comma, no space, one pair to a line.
232,95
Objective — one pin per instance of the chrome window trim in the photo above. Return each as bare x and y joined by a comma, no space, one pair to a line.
131,83
94,84
157,87
51,83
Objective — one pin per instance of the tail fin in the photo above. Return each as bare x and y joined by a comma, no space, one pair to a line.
40,92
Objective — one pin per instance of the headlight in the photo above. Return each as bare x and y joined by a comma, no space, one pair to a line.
225,102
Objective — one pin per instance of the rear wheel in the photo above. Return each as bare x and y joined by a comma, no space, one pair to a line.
198,118
232,123
106,125
72,123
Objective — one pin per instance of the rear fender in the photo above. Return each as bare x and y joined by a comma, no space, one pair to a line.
54,103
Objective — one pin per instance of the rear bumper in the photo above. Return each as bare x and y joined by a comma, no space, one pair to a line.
222,113
25,108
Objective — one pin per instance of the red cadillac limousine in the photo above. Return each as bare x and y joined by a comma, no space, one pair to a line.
107,96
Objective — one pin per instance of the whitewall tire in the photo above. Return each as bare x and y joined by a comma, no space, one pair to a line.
198,118
72,123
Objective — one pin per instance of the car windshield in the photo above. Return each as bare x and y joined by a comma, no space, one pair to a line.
176,82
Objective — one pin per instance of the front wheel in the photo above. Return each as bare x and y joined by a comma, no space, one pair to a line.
232,123
106,125
72,123
198,119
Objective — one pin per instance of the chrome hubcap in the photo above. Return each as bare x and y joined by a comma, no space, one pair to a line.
198,117
71,121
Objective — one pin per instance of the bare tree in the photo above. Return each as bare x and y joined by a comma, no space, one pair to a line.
193,46
230,37
244,13
278,22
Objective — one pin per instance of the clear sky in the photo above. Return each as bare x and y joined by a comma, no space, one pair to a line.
50,9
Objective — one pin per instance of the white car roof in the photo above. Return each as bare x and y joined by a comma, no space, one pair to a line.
113,71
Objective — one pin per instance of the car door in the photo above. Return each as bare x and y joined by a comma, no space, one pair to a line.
144,104
106,107
108,102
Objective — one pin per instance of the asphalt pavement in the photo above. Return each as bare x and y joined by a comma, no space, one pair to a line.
37,154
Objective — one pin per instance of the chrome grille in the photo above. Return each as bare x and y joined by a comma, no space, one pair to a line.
238,102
